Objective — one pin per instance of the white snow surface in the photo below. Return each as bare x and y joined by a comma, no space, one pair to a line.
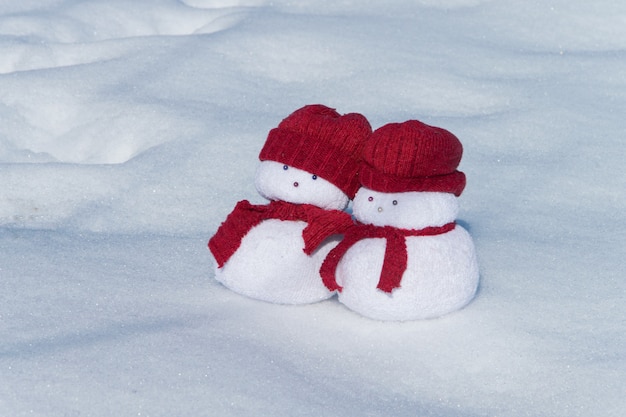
129,130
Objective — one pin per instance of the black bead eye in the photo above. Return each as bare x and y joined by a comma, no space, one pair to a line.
370,198
394,202
314,177
285,167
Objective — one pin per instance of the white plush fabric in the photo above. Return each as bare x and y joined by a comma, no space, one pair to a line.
274,182
442,271
413,210
270,265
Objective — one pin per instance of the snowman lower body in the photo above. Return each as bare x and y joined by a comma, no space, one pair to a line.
441,277
270,265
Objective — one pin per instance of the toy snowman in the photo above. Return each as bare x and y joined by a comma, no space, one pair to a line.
406,258
308,171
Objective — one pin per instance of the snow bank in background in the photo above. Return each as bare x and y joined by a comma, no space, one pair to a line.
129,129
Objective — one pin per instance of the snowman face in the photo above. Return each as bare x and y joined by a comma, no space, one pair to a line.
408,210
277,181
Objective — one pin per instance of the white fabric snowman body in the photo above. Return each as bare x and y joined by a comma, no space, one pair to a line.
406,259
270,263
274,252
441,273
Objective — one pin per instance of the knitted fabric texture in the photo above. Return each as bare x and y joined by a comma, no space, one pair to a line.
412,156
321,224
319,140
395,260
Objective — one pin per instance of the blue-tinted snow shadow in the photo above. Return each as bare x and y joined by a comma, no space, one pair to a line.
90,337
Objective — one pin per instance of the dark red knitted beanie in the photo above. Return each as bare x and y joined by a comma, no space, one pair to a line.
317,139
412,156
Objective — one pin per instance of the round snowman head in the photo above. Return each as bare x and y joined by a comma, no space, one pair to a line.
281,182
405,210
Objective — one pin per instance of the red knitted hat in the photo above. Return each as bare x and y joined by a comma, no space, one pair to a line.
412,156
317,139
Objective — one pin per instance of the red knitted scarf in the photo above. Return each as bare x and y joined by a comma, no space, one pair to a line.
320,225
395,260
